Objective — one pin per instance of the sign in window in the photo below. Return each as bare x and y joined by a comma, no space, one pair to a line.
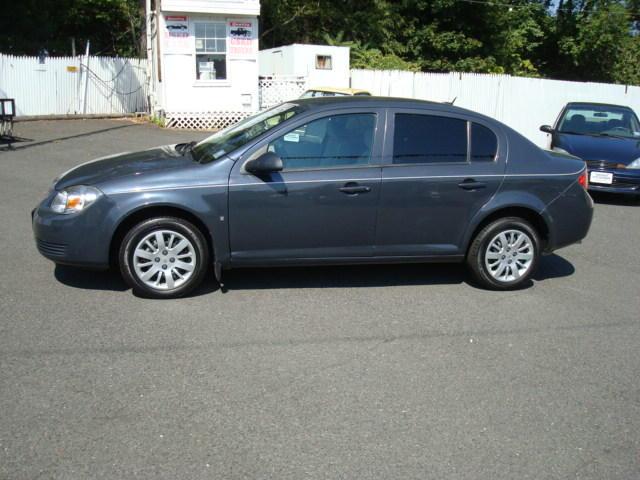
241,42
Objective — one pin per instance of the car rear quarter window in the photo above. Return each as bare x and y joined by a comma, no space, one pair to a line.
429,139
484,144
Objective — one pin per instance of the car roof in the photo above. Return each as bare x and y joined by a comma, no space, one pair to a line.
326,103
348,91
573,104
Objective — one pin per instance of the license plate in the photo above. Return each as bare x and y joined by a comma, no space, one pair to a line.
601,177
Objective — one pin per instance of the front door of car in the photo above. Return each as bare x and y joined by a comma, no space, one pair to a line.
440,169
323,203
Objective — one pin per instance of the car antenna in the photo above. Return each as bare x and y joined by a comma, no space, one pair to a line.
452,101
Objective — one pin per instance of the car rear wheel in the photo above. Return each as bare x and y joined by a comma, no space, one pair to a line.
164,257
505,254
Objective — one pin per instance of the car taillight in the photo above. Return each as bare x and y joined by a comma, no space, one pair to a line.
584,180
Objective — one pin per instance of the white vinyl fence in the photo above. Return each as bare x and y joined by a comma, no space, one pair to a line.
522,103
71,85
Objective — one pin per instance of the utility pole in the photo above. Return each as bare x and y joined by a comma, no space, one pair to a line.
149,46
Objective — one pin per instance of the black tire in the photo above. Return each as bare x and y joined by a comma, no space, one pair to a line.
166,224
478,250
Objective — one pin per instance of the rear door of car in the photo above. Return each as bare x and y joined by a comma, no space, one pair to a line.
440,168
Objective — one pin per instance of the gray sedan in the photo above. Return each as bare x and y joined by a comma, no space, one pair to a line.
339,180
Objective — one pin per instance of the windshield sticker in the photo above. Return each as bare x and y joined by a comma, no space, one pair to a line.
292,137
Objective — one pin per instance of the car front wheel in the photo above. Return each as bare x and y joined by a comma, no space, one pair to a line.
164,257
505,254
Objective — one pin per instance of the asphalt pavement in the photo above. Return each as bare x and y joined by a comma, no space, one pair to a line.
368,372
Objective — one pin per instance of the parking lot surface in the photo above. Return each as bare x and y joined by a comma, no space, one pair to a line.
405,372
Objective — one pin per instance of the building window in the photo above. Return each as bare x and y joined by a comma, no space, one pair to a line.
211,51
323,62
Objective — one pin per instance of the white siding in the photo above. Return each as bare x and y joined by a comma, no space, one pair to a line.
231,7
179,91
300,60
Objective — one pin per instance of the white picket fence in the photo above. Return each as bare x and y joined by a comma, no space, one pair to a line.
57,86
522,103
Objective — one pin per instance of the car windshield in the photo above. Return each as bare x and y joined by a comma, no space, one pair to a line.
600,120
225,141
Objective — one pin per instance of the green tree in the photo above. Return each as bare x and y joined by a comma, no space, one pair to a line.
115,27
568,39
627,67
600,40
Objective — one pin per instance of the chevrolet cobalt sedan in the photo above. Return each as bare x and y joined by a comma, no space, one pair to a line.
342,180
607,138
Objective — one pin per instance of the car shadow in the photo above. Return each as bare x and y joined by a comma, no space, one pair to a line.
111,280
343,276
357,276
90,279
615,198
553,266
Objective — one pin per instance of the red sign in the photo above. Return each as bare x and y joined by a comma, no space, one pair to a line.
241,41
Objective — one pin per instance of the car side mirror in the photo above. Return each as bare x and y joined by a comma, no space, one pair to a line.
266,163
547,129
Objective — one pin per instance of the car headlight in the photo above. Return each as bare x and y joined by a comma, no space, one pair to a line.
74,199
634,164
560,150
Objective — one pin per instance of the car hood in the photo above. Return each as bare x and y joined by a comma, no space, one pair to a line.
620,150
123,165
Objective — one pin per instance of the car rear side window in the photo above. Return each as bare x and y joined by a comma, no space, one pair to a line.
484,144
429,139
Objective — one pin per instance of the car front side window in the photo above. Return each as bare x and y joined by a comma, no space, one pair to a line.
330,142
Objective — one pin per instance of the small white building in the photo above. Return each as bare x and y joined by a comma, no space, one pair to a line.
204,60
204,63
321,65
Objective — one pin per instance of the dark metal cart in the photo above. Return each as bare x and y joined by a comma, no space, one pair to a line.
7,114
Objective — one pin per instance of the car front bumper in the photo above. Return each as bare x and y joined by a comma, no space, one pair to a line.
624,181
79,239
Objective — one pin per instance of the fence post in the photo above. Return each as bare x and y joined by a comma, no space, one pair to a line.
83,97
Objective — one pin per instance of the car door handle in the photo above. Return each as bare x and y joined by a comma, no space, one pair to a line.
471,184
353,188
